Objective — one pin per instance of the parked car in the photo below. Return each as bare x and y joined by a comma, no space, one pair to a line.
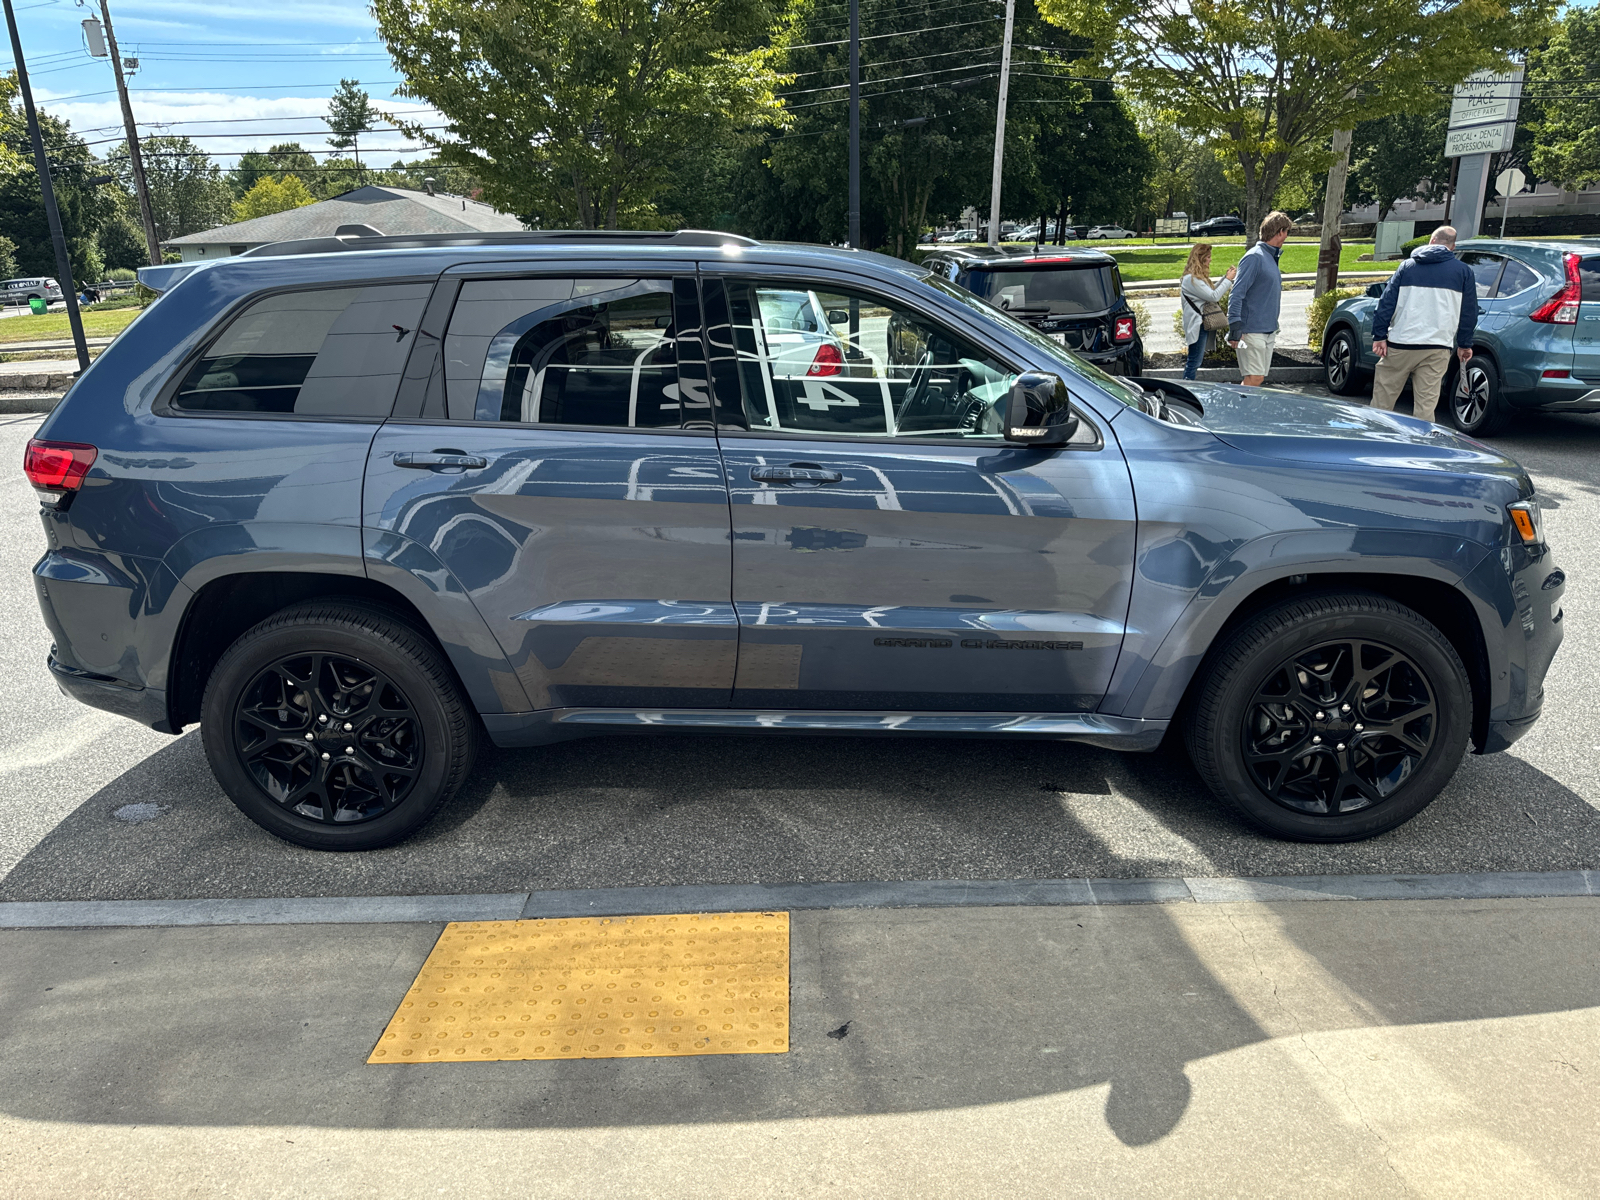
962,235
1218,227
36,287
354,504
1076,299
1109,231
1537,344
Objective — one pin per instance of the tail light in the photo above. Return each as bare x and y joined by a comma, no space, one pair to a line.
1562,308
828,360
56,469
1124,329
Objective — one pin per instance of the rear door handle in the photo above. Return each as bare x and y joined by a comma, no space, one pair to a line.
458,460
800,475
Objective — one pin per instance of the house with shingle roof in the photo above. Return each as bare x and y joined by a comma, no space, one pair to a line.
389,210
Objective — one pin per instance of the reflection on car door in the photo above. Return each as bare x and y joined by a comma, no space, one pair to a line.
890,551
544,461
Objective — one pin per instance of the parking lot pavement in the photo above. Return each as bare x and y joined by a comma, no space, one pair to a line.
1334,1049
93,807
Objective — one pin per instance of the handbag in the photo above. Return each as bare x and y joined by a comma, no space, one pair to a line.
1213,317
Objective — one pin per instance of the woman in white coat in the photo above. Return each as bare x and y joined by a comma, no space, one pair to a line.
1194,290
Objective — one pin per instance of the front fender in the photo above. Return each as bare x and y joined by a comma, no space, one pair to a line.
1172,627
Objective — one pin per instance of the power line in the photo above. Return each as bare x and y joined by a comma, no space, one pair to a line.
237,87
892,79
875,37
949,85
283,133
889,62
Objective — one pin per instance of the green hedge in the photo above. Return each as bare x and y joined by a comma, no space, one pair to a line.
1320,309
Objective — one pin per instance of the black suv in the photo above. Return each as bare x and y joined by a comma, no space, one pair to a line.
1219,227
1074,297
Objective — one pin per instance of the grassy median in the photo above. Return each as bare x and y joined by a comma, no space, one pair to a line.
54,327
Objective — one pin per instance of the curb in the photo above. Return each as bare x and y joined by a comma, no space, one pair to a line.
937,893
29,402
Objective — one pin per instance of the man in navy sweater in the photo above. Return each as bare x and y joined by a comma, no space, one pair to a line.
1428,310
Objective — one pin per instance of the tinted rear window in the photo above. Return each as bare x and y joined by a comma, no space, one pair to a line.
1589,277
1061,290
334,352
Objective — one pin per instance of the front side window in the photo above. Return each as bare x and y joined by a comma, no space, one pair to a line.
333,352
826,361
564,351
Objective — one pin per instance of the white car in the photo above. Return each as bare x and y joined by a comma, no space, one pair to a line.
1110,231
961,235
20,291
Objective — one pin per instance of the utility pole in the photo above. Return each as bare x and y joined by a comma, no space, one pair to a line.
63,264
1332,206
855,125
135,158
1000,128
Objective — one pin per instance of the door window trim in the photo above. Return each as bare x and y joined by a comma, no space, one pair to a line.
422,390
757,273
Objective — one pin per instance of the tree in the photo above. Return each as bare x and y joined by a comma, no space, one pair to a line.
1268,81
187,191
1215,195
571,112
350,114
1566,140
285,158
272,196
85,207
1400,157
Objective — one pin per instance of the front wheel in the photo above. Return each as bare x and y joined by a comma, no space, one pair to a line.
337,727
1332,718
1341,360
1480,411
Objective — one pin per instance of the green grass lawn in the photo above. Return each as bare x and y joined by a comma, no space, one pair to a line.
96,323
1164,263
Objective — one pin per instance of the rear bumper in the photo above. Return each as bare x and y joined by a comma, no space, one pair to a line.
148,706
1564,395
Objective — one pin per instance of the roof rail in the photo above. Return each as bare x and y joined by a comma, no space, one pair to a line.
422,241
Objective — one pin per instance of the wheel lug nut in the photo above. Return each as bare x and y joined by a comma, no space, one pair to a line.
1321,716
349,749
311,737
1359,728
1316,739
323,718
326,756
1340,746
1344,708
348,727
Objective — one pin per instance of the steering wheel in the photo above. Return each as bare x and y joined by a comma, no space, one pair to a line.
916,387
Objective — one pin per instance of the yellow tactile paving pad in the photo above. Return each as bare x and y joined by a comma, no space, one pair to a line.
597,987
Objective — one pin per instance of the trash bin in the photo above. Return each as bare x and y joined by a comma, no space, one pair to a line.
37,305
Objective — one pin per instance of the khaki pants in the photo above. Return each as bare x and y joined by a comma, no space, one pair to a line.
1425,369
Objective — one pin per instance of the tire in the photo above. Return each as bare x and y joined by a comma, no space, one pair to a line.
1341,362
1482,412
1282,680
407,747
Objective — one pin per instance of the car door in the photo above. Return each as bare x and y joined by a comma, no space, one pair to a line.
890,551
552,457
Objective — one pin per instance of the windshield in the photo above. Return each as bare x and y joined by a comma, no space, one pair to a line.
1082,367
1069,290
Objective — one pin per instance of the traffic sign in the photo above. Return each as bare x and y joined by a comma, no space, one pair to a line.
1510,181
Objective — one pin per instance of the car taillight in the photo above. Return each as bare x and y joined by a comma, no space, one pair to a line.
828,360
57,467
1562,308
1124,329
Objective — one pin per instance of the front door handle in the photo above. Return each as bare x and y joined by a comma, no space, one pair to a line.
441,460
797,474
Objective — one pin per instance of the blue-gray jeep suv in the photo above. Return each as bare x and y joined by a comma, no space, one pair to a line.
352,504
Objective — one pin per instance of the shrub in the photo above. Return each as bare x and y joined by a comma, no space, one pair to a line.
121,275
1407,247
1141,316
1320,309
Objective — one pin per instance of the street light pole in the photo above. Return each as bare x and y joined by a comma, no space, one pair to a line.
855,125
135,158
1000,128
51,212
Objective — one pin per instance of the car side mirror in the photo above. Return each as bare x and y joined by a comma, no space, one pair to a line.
837,316
1038,411
1375,290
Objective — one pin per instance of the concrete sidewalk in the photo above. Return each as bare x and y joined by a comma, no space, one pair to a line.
1376,1048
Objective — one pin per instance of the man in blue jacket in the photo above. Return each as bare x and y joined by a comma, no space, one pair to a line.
1255,300
1428,310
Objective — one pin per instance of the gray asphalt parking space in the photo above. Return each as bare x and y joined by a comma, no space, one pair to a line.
92,807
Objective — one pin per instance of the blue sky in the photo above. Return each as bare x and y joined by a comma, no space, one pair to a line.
227,74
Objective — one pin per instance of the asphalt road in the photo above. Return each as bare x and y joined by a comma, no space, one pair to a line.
646,811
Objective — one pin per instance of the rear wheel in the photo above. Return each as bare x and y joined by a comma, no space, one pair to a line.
1341,360
1332,718
1480,411
337,727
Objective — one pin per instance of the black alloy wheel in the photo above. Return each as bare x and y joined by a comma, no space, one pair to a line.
1479,412
329,738
1331,717
1341,362
338,726
1340,727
